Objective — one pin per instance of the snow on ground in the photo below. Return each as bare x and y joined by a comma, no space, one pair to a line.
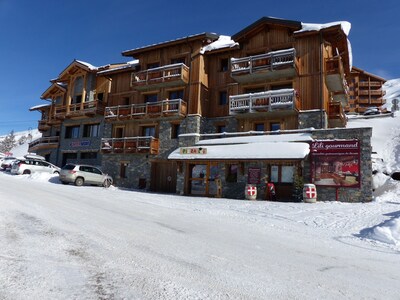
66,242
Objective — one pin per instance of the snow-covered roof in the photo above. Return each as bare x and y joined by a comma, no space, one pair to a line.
194,36
346,26
223,41
90,66
277,150
273,138
37,107
127,65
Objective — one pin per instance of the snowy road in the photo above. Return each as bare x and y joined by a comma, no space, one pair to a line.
67,242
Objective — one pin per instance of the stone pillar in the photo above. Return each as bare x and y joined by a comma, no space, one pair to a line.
190,131
317,119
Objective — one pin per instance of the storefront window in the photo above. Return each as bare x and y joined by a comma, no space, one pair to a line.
274,174
287,173
232,171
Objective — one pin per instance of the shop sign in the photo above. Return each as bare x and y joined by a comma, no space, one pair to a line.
193,150
336,163
253,175
84,143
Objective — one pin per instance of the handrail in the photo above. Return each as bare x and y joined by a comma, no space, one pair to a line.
45,140
162,74
173,106
137,144
266,101
270,60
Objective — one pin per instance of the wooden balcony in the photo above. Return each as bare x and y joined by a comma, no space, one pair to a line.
43,125
335,79
166,76
371,92
370,84
268,66
138,144
165,108
336,115
49,142
268,101
375,101
78,110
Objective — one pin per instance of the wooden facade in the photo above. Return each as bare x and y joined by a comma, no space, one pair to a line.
267,78
365,91
77,99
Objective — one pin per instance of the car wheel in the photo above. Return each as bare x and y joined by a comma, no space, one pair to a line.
107,183
79,181
56,173
26,172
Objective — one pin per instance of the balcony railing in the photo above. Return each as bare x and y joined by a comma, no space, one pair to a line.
89,109
138,144
170,75
371,92
165,108
370,83
282,63
44,143
268,101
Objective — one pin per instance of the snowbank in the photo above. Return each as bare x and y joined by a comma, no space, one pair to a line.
389,232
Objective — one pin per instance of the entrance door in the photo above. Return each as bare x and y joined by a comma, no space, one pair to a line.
163,177
202,178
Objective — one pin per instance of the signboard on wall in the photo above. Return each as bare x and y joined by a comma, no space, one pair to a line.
254,175
193,150
336,163
84,143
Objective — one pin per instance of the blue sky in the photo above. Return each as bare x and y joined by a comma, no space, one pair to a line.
38,39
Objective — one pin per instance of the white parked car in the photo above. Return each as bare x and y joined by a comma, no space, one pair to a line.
84,174
7,162
32,164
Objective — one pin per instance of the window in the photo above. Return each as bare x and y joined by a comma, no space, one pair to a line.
175,130
224,65
153,65
281,87
89,155
274,126
221,128
72,132
175,94
274,174
223,98
150,98
100,96
231,173
125,101
77,99
119,132
259,127
149,131
91,130
287,174
178,60
123,169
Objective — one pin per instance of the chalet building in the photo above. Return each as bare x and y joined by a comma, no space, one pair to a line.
203,114
365,91
72,121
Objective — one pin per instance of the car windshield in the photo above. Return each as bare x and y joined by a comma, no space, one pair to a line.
68,167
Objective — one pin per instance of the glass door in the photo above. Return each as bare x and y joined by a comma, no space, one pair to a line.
202,179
